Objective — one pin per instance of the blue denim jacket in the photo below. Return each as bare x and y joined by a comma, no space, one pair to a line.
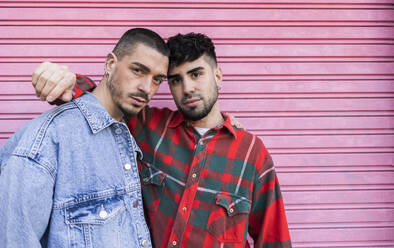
69,178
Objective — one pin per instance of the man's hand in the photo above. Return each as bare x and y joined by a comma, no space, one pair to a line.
52,81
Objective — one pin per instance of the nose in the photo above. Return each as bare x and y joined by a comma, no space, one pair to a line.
146,85
188,86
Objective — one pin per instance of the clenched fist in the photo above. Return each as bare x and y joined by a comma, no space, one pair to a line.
52,81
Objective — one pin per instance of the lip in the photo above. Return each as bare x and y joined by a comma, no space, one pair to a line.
138,100
192,102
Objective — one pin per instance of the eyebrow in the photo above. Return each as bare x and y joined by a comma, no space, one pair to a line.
147,70
195,69
188,72
142,66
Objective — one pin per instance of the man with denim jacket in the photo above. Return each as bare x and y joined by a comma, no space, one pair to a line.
69,178
206,183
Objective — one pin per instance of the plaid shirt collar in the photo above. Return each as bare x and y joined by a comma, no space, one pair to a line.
180,119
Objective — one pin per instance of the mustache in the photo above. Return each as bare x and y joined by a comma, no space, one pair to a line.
140,94
189,96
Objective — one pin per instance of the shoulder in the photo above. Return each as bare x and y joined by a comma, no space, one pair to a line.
151,116
258,153
35,140
154,112
247,137
28,139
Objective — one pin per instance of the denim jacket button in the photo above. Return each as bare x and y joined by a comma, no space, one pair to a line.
127,166
103,214
118,131
144,243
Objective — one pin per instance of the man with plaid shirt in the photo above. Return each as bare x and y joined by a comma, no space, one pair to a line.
206,183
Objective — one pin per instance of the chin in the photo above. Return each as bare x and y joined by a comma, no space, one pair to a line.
131,111
193,115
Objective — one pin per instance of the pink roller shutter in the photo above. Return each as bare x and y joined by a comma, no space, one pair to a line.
313,79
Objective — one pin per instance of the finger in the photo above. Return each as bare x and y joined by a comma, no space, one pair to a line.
42,81
234,122
55,79
239,125
66,84
55,93
67,96
37,72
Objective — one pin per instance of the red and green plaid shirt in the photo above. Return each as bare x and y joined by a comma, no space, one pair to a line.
209,191
215,190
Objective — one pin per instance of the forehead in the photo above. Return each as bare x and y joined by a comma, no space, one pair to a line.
148,56
187,66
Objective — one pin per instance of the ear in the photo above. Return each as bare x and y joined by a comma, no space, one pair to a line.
110,62
218,76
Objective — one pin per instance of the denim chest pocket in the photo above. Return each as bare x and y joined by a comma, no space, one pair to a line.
95,212
227,222
101,222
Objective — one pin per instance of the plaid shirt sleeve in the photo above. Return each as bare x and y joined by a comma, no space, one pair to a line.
267,220
83,84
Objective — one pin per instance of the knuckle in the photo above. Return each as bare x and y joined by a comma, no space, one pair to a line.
44,75
64,67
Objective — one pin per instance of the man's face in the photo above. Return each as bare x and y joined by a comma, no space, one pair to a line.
194,86
134,79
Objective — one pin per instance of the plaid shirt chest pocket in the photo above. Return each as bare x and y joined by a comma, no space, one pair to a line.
229,217
97,222
153,180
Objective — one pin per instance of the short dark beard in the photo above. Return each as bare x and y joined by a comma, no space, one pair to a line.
115,94
194,115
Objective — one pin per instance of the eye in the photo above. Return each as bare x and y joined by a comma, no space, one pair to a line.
195,74
174,81
137,71
158,81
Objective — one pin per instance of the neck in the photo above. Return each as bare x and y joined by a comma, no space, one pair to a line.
213,119
103,94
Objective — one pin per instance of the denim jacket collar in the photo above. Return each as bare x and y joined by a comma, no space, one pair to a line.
97,116
95,113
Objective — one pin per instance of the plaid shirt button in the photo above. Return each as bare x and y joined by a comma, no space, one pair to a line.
174,243
184,209
231,210
194,175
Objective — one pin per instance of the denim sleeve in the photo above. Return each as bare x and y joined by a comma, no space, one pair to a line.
25,202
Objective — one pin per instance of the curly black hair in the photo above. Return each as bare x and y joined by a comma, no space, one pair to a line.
189,47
